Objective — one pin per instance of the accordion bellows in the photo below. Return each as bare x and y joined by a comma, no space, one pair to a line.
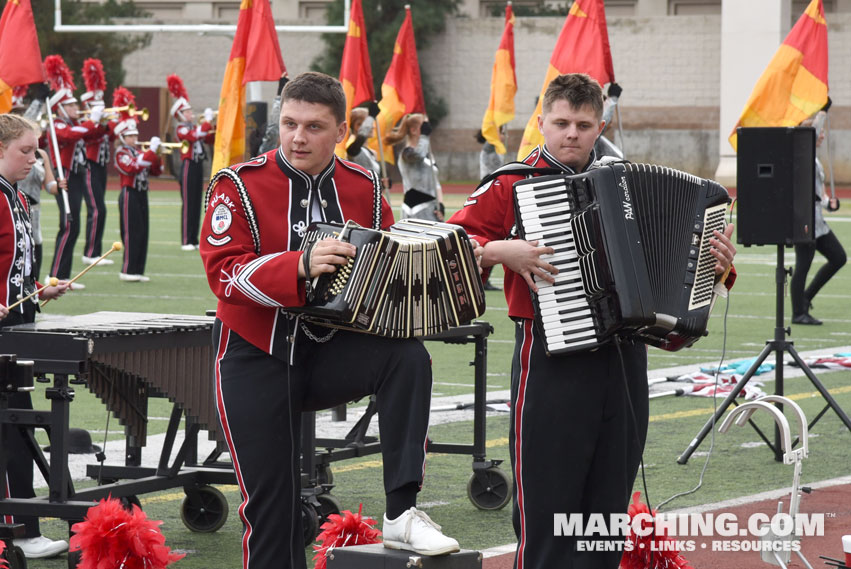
417,279
632,248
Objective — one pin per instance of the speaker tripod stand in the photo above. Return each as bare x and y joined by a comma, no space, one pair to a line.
778,345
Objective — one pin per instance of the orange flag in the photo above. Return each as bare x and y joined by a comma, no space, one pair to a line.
794,85
503,86
20,56
402,90
355,70
582,47
254,56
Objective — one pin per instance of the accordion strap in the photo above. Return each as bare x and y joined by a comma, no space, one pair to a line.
247,206
518,169
377,202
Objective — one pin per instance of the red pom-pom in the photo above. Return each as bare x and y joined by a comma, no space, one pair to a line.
651,551
122,97
93,75
3,563
112,537
58,73
176,88
19,91
342,531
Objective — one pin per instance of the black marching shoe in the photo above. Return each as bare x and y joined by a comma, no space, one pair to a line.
805,318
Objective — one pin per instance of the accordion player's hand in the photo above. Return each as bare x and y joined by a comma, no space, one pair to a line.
326,256
723,249
524,258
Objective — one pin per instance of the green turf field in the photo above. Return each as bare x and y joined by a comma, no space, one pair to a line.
738,465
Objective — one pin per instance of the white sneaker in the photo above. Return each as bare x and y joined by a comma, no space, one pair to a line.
93,260
41,547
144,279
188,247
414,531
129,278
76,286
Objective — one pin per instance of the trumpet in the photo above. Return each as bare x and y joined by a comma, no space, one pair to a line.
168,147
112,112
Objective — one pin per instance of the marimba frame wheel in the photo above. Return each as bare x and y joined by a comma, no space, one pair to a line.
489,488
15,557
328,504
204,509
309,522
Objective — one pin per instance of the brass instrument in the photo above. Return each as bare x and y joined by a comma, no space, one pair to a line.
113,112
168,147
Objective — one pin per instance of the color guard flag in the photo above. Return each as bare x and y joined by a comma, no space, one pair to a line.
355,69
20,56
254,56
582,47
794,85
402,90
503,86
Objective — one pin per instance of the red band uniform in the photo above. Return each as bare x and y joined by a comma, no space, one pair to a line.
134,167
250,238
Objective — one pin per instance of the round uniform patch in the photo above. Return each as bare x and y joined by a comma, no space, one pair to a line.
221,220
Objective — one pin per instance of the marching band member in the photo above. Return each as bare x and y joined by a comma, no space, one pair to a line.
134,168
97,156
256,215
597,398
18,146
192,160
71,135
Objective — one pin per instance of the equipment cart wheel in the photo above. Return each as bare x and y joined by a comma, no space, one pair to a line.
15,557
309,522
489,488
324,474
328,504
204,509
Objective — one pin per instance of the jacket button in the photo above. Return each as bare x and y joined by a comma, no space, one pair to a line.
304,203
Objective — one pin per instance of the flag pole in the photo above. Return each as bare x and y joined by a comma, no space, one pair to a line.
829,157
58,159
380,151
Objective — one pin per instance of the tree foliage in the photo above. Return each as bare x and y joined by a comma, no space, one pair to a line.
76,47
383,18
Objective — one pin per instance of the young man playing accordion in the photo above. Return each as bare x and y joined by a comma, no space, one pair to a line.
270,366
573,440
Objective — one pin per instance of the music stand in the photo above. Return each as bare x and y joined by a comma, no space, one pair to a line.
776,183
778,345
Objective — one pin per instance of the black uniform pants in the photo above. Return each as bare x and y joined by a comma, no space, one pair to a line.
260,399
69,229
575,448
133,206
191,193
95,209
829,246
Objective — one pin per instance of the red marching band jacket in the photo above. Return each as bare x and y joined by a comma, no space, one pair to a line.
196,136
134,167
253,228
71,137
488,215
15,230
97,147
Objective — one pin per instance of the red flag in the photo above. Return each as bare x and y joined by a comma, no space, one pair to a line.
500,109
254,56
582,47
794,85
355,69
402,90
20,56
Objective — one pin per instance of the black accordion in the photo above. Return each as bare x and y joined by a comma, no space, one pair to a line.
632,248
417,279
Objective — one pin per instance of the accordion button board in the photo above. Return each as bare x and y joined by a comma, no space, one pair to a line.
417,279
631,242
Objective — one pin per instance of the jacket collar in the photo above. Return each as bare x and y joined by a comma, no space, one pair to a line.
550,159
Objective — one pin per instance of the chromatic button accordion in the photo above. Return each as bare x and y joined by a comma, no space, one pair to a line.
632,248
418,278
